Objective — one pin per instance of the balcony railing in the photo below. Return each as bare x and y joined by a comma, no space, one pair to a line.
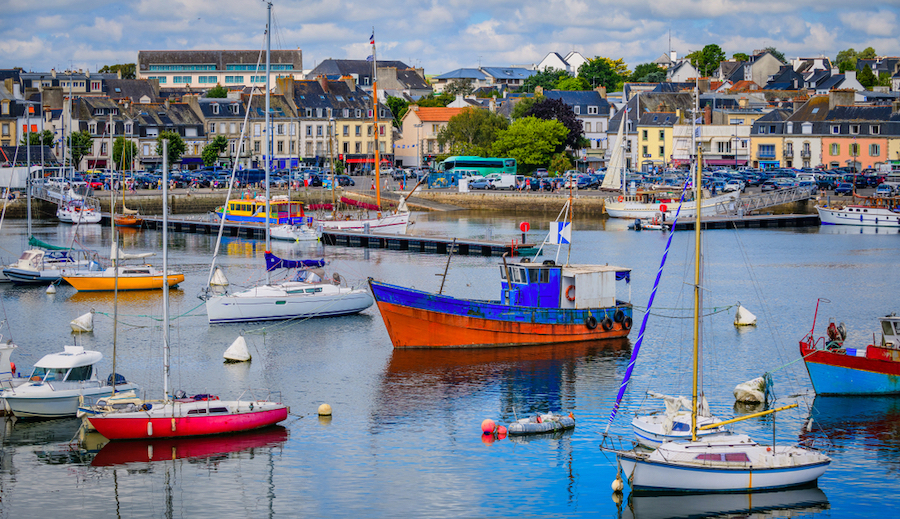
805,154
788,152
766,154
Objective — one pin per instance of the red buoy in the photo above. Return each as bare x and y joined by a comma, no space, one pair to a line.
501,432
663,208
487,426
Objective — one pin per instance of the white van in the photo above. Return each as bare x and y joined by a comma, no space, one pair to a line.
502,180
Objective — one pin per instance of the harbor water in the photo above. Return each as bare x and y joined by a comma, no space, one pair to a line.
405,438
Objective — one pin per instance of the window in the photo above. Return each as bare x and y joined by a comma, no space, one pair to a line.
280,147
257,130
577,109
215,108
234,80
309,149
369,130
587,127
767,151
4,108
319,130
593,110
736,121
358,130
235,108
146,150
293,129
835,129
358,113
854,149
724,147
257,79
95,85
874,150
806,128
231,128
645,152
790,128
644,135
772,129
662,135
208,79
346,147
181,79
292,147
309,131
102,148
231,147
854,129
358,148
128,128
178,68
279,129
256,146
662,151
876,129
346,130
92,128
835,150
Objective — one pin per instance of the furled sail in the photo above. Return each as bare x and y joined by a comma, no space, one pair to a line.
274,262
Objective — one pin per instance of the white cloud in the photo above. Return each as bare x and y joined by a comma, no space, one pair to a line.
882,23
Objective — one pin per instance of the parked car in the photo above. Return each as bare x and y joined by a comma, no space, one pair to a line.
768,185
315,180
345,180
844,188
480,183
884,190
541,173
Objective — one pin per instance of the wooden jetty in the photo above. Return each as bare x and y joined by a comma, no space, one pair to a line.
751,221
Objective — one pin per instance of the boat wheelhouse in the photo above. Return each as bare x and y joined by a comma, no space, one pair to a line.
282,211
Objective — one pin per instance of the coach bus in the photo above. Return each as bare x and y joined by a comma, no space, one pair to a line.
484,166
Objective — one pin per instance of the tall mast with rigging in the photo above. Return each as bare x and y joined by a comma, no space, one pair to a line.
698,193
268,133
375,112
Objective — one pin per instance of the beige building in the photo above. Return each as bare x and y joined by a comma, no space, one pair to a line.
419,128
205,69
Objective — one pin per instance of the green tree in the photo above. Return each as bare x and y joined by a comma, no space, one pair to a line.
560,162
531,141
846,56
128,70
523,106
778,54
462,86
740,56
472,132
212,150
707,60
176,146
44,138
546,79
600,72
124,152
572,83
557,110
217,92
884,79
866,78
432,100
867,53
398,107
80,144
647,73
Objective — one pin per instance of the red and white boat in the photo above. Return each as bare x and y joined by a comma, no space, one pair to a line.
180,416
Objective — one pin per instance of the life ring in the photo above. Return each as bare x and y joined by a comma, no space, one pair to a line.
626,323
621,198
591,322
618,316
606,323
570,293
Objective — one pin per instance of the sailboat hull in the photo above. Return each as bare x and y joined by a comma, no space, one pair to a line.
256,305
194,418
653,476
390,224
106,283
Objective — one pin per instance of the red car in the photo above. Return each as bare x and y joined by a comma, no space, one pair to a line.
95,184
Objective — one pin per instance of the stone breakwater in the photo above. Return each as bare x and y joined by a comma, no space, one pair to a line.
202,201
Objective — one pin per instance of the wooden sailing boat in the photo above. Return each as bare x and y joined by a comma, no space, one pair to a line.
178,415
721,463
129,217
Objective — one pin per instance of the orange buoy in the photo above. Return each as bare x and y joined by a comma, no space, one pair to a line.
501,432
487,426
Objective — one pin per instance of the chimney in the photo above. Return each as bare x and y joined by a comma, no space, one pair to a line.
799,101
707,115
602,90
87,74
493,105
167,103
743,103
323,82
841,97
351,82
703,85
673,56
850,74
895,107
53,73
459,98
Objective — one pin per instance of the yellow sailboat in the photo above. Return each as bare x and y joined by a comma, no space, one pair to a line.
130,277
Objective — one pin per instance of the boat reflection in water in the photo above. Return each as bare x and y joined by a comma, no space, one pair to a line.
147,451
528,379
786,503
869,423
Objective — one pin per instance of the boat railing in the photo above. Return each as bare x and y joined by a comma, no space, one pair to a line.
620,443
271,396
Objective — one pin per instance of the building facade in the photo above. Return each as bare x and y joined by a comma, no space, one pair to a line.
204,69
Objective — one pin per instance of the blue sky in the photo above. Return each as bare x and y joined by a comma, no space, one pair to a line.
438,35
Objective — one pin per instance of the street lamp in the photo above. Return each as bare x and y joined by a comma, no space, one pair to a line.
418,147
734,122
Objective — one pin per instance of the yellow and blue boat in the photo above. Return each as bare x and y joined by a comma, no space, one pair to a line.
281,211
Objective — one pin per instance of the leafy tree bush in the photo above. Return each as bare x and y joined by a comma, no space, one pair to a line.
472,132
398,107
212,150
124,152
176,146
44,138
531,141
217,92
555,109
80,144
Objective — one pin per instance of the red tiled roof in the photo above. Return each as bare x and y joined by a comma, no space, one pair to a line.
437,114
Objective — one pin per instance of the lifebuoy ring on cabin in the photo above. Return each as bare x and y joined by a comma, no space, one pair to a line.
607,324
570,293
621,198
591,322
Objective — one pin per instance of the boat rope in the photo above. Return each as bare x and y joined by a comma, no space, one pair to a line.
640,339
153,317
715,310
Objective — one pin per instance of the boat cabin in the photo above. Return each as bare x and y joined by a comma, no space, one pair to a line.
74,364
890,328
547,285
282,210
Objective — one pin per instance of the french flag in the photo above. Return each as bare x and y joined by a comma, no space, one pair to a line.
372,38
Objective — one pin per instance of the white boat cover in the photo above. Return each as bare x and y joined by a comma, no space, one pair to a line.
752,391
743,317
238,351
115,253
674,404
83,323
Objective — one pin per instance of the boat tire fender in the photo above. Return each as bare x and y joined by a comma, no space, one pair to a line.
607,324
618,316
525,260
570,293
549,263
591,322
626,323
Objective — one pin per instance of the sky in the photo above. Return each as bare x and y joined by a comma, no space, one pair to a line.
439,36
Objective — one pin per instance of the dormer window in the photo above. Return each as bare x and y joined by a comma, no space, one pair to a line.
854,129
577,109
835,129
235,108
128,128
593,110
215,108
875,129
92,128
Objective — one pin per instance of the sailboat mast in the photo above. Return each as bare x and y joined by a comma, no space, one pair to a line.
268,156
115,237
375,112
165,267
698,192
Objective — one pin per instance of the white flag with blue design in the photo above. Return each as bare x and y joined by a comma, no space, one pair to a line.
562,233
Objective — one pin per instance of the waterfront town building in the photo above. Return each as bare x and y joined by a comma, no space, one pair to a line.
204,69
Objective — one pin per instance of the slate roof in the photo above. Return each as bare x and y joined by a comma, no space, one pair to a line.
833,82
157,115
651,103
670,87
219,58
205,104
278,107
658,119
335,68
508,72
133,89
581,98
412,79
463,73
310,94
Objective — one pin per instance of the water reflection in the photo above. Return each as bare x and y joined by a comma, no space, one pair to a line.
870,424
857,229
787,503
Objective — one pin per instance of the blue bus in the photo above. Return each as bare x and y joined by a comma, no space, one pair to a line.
483,166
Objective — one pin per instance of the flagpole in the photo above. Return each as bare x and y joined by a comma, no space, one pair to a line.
375,112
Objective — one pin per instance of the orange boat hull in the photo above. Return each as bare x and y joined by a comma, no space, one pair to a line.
129,221
103,283
415,328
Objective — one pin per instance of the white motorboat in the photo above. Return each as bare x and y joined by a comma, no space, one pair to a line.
308,295
301,232
396,223
862,215
647,206
40,267
77,211
57,383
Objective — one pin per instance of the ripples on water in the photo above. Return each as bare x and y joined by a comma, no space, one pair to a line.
405,437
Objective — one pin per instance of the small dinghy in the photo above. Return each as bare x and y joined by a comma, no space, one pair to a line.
542,423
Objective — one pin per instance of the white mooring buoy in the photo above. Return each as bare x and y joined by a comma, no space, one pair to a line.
238,351
743,317
83,323
51,289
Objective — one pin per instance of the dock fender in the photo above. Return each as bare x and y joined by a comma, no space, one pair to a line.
607,324
591,322
626,323
618,316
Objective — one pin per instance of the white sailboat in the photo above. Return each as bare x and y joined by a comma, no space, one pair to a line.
309,294
723,462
